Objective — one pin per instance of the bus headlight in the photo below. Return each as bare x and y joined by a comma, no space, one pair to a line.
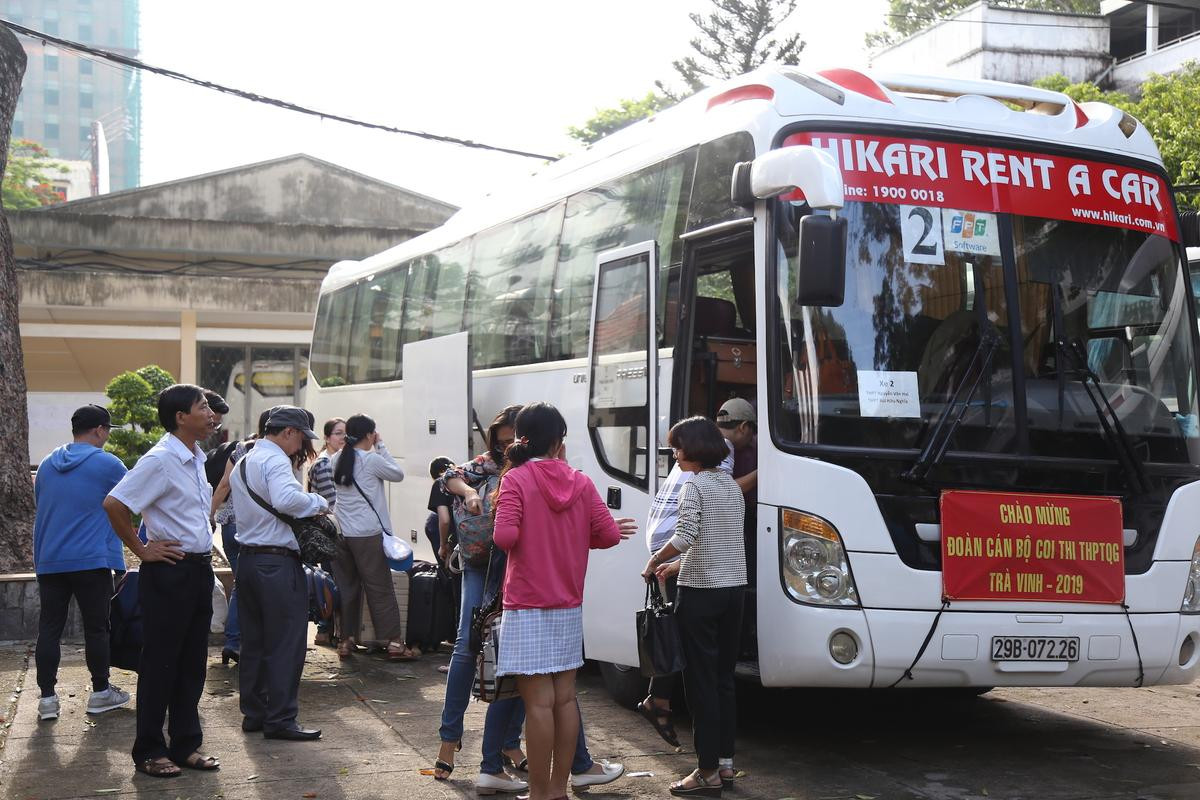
1191,591
815,567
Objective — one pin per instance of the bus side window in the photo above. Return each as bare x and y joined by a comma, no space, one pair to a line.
648,205
450,266
331,339
511,285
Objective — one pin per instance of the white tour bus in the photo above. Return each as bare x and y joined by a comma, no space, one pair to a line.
961,309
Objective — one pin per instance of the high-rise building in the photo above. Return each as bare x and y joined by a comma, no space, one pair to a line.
63,92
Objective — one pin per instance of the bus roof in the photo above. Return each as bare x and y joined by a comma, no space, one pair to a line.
763,101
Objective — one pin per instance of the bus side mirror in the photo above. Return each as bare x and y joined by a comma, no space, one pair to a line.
813,173
803,168
821,261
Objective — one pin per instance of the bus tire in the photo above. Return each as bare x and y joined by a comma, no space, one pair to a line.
624,684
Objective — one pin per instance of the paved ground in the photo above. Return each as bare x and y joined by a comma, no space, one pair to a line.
380,724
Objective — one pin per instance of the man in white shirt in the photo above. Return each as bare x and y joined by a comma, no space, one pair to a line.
272,591
168,488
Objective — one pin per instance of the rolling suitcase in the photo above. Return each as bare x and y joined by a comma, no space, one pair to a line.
432,617
366,629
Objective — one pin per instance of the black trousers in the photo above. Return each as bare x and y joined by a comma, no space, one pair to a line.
273,612
710,622
176,601
92,590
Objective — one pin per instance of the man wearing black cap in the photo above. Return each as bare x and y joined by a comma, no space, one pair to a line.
74,554
272,592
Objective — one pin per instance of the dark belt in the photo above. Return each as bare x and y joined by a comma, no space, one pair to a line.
270,550
204,558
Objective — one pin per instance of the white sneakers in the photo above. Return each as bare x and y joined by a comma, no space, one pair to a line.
48,707
608,773
110,698
502,782
98,702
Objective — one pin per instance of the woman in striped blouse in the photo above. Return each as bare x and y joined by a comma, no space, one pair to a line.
708,606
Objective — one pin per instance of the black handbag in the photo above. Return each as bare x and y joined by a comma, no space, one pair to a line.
317,536
660,649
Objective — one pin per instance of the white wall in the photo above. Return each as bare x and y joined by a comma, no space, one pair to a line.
50,419
1003,44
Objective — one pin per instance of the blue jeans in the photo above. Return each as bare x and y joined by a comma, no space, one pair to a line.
233,631
502,725
505,718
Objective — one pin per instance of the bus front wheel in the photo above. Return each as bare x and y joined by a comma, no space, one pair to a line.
624,684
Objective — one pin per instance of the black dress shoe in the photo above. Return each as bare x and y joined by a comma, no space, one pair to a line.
228,655
251,726
294,734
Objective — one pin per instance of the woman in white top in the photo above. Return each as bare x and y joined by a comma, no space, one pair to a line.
359,472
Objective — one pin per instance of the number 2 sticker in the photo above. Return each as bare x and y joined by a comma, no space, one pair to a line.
921,233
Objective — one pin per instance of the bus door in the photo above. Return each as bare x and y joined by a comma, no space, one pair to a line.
622,400
437,414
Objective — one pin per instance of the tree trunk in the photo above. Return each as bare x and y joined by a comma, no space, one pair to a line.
16,490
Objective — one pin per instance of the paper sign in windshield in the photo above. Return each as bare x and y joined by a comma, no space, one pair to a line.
888,394
1050,548
949,175
971,232
921,234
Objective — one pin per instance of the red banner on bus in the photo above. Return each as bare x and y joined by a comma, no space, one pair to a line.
1054,548
883,169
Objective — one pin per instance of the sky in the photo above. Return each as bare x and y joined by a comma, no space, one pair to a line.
515,74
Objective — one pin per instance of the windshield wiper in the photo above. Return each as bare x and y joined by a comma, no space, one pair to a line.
1110,423
952,414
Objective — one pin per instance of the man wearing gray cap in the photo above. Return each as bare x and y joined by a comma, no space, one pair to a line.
272,592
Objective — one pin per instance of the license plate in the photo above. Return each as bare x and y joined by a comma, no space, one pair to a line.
1035,648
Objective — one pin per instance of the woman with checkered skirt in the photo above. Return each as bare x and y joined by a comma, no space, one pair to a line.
548,516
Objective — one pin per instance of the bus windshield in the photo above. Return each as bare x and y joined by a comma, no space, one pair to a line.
880,370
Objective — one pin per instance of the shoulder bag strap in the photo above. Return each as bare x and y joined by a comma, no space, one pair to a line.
254,494
370,505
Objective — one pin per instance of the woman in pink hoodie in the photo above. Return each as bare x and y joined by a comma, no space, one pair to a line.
548,516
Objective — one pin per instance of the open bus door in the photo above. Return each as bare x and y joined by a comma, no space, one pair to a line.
622,426
437,412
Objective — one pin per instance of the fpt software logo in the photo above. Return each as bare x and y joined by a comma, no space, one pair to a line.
968,225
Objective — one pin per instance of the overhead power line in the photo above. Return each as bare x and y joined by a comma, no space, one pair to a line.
127,61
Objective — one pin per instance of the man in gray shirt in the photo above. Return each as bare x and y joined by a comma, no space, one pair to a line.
272,591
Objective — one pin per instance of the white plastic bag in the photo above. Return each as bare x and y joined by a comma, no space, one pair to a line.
397,552
220,608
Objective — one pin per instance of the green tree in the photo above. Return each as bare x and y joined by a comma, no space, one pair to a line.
1168,107
734,38
134,407
26,179
906,17
611,120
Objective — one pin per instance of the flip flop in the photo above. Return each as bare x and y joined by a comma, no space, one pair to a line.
403,653
201,762
161,767
654,716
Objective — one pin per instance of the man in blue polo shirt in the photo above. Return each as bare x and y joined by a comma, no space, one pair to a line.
74,554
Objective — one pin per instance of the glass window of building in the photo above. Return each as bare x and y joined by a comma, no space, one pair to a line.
50,59
50,93
85,96
50,131
50,21
85,67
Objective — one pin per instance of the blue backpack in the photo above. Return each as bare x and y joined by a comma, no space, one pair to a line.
324,601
